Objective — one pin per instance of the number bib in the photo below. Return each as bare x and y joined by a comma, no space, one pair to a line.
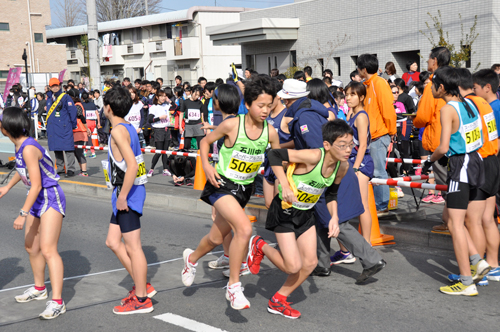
307,196
141,177
24,177
244,166
193,114
105,166
492,126
90,115
472,137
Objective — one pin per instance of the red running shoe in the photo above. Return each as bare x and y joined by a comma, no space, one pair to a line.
282,308
255,254
133,306
150,290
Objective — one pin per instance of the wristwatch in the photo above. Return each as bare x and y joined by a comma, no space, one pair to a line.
355,170
23,213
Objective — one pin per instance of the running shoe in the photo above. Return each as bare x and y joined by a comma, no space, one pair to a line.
92,156
189,269
459,289
341,257
188,182
282,308
85,174
479,270
150,290
401,194
255,254
483,282
85,153
178,184
166,172
494,274
243,271
150,173
418,171
220,263
234,294
133,306
53,310
438,199
31,294
428,198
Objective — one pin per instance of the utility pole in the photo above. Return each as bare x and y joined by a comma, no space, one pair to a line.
146,4
93,45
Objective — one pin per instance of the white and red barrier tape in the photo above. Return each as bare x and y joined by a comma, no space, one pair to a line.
175,153
406,161
414,177
392,182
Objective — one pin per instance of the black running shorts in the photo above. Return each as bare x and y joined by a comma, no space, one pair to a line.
127,220
289,220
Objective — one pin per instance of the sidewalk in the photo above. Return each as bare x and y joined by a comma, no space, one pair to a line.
406,224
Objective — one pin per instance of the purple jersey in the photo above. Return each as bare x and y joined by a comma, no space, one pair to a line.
47,171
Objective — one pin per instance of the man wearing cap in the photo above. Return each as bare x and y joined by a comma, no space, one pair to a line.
308,116
61,120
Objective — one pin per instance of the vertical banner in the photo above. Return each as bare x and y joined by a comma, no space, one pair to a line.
12,78
61,75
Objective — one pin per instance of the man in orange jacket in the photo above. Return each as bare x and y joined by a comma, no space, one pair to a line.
428,115
382,116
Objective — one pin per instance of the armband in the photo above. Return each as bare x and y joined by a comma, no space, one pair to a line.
277,157
331,193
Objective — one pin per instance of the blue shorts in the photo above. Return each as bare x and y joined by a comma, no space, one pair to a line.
52,197
127,220
366,167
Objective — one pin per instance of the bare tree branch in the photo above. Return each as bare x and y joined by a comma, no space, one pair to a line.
69,14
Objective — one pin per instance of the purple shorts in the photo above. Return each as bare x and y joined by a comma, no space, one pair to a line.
52,197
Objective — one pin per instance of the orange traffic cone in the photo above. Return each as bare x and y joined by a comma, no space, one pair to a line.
181,144
199,176
95,138
250,217
376,238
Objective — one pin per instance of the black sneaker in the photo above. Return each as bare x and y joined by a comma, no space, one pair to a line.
70,174
367,273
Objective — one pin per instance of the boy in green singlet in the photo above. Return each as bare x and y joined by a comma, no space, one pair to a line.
294,224
229,187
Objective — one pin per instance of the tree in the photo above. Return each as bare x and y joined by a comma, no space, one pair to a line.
464,52
324,52
109,10
68,14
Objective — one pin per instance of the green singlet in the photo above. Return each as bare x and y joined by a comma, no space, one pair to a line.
310,186
241,162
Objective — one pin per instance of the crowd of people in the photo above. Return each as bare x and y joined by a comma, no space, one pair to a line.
320,144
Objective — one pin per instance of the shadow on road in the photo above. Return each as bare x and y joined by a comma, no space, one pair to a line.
74,265
151,256
9,270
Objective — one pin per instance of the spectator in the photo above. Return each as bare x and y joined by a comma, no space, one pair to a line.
380,109
319,91
328,73
248,72
61,120
192,112
81,132
339,97
178,80
308,73
281,78
354,76
202,81
299,75
91,117
159,80
328,81
137,84
412,74
390,72
126,82
274,72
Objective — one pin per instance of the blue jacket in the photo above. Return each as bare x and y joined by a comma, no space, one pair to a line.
60,129
305,128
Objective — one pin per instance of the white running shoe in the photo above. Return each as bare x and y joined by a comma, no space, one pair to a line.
221,263
243,270
166,172
53,310
31,294
401,194
189,269
234,294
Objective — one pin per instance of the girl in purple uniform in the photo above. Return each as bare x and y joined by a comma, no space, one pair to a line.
42,212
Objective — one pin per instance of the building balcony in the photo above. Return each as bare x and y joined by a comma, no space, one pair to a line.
184,49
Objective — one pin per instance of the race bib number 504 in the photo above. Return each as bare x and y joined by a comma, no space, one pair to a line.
244,166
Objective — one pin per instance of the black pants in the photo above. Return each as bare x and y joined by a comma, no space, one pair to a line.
79,153
175,137
147,134
162,142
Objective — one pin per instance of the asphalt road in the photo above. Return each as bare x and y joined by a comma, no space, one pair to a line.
402,297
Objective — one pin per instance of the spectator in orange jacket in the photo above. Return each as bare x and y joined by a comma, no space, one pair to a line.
380,109
428,113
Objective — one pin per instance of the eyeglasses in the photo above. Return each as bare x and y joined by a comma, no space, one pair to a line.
395,92
345,146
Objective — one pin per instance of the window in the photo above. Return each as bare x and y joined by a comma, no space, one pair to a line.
166,31
250,61
336,66
137,35
322,64
293,58
354,60
73,54
467,51
269,65
159,46
130,49
38,37
4,27
4,73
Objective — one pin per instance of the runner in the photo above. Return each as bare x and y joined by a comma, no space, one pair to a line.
159,117
291,215
228,188
128,175
91,116
461,137
191,111
134,116
42,212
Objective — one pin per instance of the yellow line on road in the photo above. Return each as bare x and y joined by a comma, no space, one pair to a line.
262,207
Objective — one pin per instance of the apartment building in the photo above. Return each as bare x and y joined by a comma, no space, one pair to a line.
22,26
332,34
160,45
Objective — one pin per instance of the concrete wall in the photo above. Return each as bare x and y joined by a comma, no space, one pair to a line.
380,27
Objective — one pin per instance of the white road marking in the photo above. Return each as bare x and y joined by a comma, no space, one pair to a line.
187,323
110,271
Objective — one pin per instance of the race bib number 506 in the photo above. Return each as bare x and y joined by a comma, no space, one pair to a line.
244,166
141,177
307,196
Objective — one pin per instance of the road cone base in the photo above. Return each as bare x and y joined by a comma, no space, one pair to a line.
252,218
382,240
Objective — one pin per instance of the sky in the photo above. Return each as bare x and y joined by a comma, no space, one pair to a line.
169,5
